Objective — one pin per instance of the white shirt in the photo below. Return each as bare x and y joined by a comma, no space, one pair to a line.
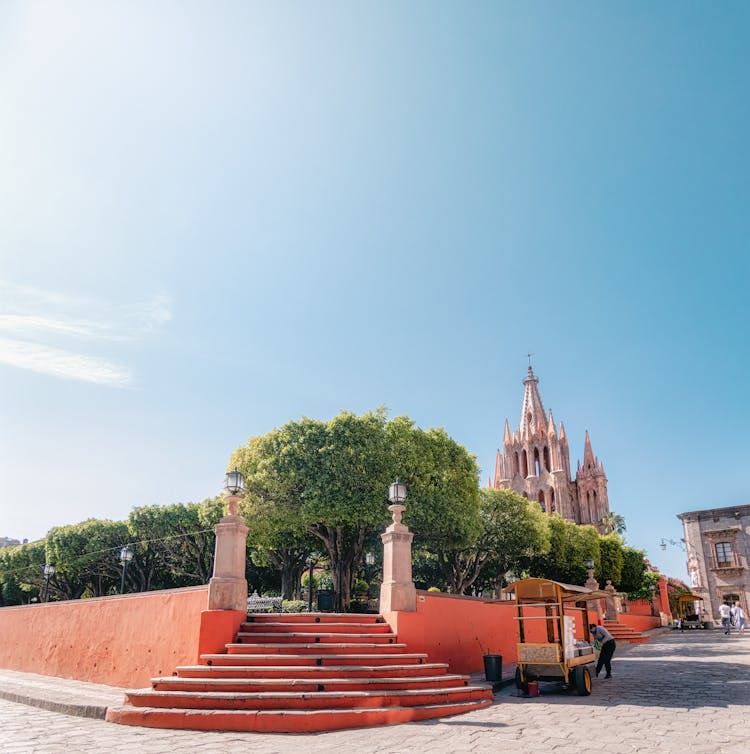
724,611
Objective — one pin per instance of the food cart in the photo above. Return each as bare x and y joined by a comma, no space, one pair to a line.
690,612
561,657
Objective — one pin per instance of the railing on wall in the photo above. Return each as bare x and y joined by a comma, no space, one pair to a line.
734,561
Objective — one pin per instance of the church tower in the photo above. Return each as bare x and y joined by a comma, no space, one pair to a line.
535,463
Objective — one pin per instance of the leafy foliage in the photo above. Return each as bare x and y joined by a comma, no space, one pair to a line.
633,570
512,530
570,546
327,480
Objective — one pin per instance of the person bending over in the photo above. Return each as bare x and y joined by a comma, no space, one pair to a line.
608,647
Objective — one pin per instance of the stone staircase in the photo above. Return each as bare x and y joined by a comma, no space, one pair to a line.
303,672
621,632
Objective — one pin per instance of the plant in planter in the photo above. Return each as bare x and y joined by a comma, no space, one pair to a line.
360,589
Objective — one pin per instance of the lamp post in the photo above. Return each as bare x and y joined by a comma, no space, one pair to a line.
126,555
369,563
234,484
665,542
312,561
397,592
49,572
227,588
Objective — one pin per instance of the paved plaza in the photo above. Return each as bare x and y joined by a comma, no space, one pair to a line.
686,692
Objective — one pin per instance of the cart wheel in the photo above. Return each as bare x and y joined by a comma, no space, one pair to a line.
521,684
582,679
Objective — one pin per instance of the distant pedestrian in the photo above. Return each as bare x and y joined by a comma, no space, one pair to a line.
738,618
608,647
726,615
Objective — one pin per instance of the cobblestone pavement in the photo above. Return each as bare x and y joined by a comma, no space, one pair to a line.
679,693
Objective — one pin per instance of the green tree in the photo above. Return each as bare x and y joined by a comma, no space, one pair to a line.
633,570
85,557
611,559
570,546
614,524
21,577
173,544
330,479
512,530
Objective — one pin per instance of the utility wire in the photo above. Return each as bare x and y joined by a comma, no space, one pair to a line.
86,555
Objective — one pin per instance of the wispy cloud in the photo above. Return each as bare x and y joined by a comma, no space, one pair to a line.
46,317
60,363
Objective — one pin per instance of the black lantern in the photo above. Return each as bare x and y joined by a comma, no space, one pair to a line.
589,564
233,482
126,555
49,572
397,493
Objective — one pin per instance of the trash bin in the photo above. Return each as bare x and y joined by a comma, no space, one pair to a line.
325,600
493,668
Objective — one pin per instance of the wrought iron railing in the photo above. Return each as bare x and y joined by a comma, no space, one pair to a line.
733,561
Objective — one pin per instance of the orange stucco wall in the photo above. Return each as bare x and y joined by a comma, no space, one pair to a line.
461,630
639,622
639,607
121,640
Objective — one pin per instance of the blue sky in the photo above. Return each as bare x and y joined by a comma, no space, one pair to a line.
216,217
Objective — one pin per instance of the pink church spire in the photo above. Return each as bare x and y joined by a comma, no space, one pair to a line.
589,461
533,418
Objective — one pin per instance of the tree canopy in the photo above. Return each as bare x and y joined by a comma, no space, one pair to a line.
329,480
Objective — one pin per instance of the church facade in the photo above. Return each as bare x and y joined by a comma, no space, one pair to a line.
535,463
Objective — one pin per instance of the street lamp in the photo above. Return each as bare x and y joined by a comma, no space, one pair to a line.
312,561
126,555
49,572
665,542
397,493
234,484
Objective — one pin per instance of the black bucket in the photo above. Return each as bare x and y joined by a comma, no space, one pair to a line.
493,668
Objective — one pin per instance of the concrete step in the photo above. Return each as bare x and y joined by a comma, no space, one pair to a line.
308,637
287,721
240,658
303,700
318,648
621,632
307,685
312,671
314,618
314,628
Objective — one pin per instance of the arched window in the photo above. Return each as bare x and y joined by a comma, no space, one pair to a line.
541,501
588,506
547,464
524,464
537,465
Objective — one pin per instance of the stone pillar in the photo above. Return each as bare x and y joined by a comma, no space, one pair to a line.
664,596
397,592
609,602
227,589
593,606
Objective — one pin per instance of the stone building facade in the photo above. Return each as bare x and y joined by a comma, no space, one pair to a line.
717,543
535,462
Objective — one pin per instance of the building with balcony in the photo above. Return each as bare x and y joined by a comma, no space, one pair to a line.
717,543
